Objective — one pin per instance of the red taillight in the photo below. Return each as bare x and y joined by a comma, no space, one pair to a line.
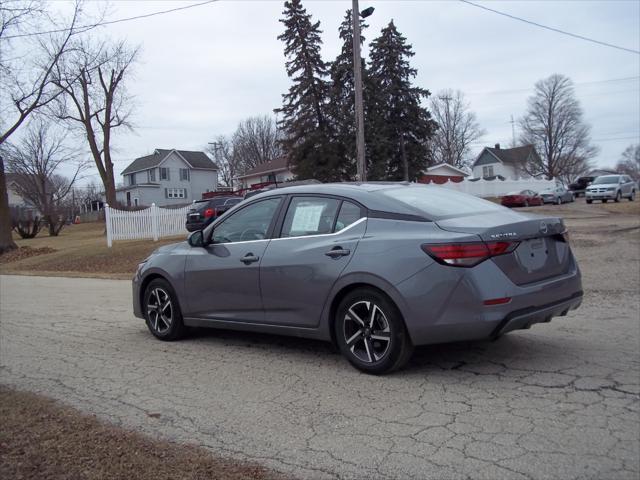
497,301
209,212
467,254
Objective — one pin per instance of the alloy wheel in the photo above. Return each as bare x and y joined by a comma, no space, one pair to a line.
159,310
366,331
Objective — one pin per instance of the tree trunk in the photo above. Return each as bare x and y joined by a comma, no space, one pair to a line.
6,240
405,162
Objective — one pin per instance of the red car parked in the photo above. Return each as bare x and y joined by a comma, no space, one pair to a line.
524,198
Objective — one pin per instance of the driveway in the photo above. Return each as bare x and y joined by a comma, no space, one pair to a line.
558,401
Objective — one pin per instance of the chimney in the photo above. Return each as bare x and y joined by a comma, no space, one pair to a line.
497,146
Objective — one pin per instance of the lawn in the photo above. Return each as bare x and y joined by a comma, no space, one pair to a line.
79,250
41,438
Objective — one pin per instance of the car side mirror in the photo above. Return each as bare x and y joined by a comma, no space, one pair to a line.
196,239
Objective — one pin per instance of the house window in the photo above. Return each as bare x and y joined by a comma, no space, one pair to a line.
151,174
164,173
132,179
487,171
184,174
136,201
175,192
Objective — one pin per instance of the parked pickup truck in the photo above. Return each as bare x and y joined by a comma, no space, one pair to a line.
203,212
579,187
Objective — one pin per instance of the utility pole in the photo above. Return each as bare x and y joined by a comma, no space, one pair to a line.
513,132
357,82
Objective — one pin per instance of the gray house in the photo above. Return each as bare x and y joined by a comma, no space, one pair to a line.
504,162
168,177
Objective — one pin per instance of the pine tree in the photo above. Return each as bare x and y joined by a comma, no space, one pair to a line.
305,123
342,100
399,126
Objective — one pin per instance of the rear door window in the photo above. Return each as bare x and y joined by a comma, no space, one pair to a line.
349,213
310,216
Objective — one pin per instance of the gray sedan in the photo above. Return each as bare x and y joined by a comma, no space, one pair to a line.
375,268
557,195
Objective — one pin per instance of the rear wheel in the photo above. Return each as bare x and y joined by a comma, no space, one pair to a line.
371,333
604,200
559,201
589,201
618,197
162,311
632,197
526,203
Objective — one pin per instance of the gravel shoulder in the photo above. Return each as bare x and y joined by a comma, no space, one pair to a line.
561,400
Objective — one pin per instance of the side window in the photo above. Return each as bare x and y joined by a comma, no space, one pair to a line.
309,216
250,223
349,213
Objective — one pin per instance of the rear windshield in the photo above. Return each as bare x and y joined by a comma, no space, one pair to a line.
607,179
438,202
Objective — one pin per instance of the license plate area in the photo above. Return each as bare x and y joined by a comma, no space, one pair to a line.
533,254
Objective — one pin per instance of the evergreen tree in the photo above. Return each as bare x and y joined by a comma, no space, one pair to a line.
342,100
399,126
305,123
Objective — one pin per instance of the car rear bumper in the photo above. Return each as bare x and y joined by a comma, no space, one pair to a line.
454,308
195,226
522,319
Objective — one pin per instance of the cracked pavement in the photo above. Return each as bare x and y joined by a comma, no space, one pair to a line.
558,401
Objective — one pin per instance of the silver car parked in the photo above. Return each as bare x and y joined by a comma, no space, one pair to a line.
557,195
375,268
612,187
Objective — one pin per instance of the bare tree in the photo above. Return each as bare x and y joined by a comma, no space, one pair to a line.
457,129
27,63
255,141
36,160
222,152
94,98
554,125
629,164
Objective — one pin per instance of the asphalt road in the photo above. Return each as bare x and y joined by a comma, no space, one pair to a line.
558,401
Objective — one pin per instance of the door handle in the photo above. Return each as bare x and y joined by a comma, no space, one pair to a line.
249,258
338,252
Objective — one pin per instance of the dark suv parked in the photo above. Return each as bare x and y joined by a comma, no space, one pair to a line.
206,211
579,187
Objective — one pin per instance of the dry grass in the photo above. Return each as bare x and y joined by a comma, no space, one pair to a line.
40,438
79,250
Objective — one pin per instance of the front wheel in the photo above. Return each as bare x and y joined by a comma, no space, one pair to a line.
618,197
559,201
370,332
162,311
632,197
589,201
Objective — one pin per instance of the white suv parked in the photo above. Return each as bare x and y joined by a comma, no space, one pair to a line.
611,187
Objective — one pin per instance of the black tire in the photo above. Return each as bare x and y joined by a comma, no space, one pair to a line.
559,201
164,321
632,197
361,342
618,197
589,201
604,200
526,203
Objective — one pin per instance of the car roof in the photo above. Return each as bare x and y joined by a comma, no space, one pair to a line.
368,194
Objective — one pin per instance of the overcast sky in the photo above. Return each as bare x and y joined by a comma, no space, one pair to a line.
204,69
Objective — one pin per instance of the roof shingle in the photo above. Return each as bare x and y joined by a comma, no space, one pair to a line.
193,158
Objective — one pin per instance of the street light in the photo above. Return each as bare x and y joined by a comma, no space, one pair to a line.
357,82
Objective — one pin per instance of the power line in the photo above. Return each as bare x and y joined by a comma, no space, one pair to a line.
111,22
520,90
557,30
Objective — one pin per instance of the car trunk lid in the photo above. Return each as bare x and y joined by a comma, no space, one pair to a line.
542,250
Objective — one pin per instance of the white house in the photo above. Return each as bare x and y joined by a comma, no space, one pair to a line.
504,162
168,177
273,171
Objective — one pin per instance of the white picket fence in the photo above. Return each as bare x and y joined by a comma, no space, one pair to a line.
153,222
498,188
